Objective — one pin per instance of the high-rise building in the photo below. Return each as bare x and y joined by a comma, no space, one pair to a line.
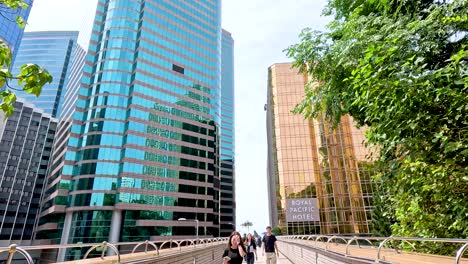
144,148
26,139
10,32
53,50
319,177
55,196
227,142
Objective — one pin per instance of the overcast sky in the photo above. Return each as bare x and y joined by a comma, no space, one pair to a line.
261,29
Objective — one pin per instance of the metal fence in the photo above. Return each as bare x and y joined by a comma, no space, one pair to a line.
145,247
378,243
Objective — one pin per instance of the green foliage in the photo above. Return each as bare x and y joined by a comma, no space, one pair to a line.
309,191
247,224
277,231
400,67
31,77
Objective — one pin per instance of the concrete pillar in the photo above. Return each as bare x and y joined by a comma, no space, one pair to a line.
116,223
65,236
114,233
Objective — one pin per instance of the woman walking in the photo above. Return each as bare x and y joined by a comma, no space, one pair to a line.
251,249
235,252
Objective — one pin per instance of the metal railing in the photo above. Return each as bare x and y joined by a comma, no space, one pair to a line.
104,246
381,241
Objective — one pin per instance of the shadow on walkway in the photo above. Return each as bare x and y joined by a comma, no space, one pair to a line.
281,260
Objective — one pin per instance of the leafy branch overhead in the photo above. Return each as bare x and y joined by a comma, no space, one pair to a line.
31,77
400,68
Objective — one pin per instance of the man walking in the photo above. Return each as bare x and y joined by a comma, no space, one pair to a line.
270,247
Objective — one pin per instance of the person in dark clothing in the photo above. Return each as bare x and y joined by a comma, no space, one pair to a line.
251,249
259,241
235,252
270,247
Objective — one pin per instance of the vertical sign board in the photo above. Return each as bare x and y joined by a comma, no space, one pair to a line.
302,210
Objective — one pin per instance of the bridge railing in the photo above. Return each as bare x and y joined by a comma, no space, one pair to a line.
148,246
378,243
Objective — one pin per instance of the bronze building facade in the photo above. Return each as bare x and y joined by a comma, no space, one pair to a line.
319,178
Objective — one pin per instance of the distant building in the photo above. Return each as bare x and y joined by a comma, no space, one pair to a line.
227,142
319,180
26,139
55,51
10,31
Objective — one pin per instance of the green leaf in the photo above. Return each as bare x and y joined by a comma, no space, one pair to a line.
20,21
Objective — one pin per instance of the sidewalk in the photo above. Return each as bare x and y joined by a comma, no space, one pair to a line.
281,260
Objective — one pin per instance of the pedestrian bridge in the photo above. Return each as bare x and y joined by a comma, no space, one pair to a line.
314,249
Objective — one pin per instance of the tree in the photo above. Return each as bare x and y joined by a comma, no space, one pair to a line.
31,77
277,231
400,68
247,224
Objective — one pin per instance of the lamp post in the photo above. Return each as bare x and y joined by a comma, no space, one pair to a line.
196,230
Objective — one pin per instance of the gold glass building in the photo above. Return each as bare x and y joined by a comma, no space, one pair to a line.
319,178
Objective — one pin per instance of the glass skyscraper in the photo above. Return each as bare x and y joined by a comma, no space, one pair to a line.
10,32
145,142
53,50
319,178
227,142
55,196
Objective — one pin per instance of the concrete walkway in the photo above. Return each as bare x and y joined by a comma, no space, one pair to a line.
281,260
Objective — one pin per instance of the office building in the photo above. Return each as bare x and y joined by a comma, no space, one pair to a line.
144,148
26,139
10,32
50,223
53,50
319,178
227,142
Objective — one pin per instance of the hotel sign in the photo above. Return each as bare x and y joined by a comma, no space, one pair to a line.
302,210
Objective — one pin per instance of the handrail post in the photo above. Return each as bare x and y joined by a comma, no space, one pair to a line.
377,260
349,243
460,253
25,255
104,249
113,247
13,248
146,246
328,242
104,246
11,253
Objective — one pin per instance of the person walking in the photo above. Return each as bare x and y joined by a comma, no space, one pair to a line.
235,252
270,247
251,249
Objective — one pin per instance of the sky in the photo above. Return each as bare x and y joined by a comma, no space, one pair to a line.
261,29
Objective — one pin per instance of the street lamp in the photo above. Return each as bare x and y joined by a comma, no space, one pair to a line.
196,221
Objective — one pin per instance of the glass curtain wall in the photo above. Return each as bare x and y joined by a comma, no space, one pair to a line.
144,144
227,150
309,161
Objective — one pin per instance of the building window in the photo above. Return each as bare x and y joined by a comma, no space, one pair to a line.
177,69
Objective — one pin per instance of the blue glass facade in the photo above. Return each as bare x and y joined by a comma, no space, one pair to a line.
56,189
227,142
10,32
53,50
145,142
